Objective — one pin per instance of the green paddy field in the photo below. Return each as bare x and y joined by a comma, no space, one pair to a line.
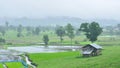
110,58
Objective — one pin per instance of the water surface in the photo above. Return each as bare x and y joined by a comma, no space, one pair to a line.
43,49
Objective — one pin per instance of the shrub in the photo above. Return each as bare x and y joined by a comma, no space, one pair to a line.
2,40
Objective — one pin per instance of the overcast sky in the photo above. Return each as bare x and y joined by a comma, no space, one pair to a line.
108,9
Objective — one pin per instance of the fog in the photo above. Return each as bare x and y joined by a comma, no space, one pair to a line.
86,9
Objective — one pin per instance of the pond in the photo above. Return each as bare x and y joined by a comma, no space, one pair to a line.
43,49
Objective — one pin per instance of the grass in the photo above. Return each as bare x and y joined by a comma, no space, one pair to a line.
108,59
13,65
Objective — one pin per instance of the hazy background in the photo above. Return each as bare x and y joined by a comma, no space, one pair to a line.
59,11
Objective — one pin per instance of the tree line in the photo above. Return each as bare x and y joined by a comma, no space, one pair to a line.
90,29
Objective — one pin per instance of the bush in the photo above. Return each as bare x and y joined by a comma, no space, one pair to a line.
9,43
76,42
2,40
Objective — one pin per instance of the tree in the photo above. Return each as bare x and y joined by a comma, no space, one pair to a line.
7,25
77,32
46,39
19,30
2,40
70,31
2,30
92,30
110,30
60,31
118,26
29,30
11,27
37,30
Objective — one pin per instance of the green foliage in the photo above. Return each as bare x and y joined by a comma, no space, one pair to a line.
110,30
60,31
92,30
37,31
11,37
84,27
70,31
19,34
77,32
46,39
19,30
2,40
2,30
34,30
29,30
7,25
118,26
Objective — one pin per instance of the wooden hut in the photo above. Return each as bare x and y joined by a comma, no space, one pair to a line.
91,50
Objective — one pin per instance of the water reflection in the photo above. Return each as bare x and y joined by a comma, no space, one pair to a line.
43,49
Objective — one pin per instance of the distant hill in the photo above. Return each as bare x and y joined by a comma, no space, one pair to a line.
53,21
